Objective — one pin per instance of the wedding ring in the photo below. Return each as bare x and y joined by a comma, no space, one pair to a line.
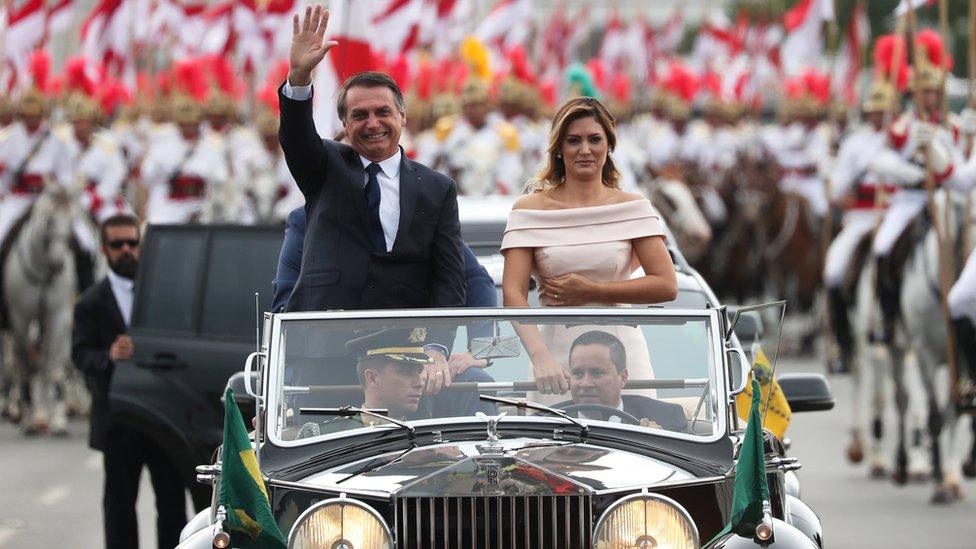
440,373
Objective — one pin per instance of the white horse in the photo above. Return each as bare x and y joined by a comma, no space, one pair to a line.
926,330
677,204
39,287
869,370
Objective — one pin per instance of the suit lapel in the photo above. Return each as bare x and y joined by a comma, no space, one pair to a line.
410,181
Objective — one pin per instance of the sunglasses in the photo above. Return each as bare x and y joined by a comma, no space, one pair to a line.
117,244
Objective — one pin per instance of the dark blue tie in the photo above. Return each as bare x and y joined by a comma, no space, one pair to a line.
373,208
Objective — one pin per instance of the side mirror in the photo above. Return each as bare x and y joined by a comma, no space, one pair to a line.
806,392
739,367
237,383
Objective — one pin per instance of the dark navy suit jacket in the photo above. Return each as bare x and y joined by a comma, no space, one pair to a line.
480,290
340,268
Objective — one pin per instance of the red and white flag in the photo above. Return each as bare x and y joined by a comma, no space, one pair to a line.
350,24
397,26
668,37
25,26
848,65
803,46
60,16
904,5
507,24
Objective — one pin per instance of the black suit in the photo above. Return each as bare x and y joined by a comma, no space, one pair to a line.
670,416
340,268
97,322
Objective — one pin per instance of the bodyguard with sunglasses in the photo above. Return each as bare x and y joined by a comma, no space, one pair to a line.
98,341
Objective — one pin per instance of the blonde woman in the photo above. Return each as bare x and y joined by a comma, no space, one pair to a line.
582,238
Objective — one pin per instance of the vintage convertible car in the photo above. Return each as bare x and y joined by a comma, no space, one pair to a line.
640,452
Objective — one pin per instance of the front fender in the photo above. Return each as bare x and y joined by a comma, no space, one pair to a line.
804,519
785,536
199,521
201,539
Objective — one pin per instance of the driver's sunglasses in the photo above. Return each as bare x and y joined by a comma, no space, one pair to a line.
117,244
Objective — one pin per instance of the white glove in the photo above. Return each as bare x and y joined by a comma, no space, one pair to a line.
891,166
923,134
968,121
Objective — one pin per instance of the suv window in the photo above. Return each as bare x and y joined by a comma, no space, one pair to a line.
239,264
169,281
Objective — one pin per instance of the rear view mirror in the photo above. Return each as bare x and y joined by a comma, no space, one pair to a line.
807,392
495,347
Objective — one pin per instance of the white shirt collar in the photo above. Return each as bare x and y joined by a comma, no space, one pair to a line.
390,166
120,282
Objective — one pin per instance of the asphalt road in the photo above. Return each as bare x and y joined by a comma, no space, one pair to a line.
50,490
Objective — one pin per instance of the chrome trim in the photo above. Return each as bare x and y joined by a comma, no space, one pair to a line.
661,485
375,494
646,495
271,382
341,500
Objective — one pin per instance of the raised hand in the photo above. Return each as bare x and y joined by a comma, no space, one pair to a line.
307,46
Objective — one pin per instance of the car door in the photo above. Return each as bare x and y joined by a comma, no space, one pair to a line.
193,326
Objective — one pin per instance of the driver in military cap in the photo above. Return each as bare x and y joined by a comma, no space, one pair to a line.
390,365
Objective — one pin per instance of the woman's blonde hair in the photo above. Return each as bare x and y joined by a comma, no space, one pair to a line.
553,173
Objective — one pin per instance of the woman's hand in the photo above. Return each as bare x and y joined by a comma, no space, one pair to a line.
307,48
550,376
569,290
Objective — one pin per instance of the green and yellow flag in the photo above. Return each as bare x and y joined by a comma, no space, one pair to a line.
778,412
242,492
750,488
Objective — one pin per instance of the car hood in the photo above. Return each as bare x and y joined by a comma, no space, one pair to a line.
516,466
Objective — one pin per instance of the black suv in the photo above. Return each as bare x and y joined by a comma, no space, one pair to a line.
193,325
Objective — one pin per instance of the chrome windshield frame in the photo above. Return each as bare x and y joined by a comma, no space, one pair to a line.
718,375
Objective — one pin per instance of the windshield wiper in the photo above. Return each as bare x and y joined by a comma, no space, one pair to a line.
348,411
584,428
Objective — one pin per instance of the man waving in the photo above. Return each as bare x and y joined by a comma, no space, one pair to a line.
383,231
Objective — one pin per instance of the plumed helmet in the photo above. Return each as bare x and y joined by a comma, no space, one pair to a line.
474,91
267,123
880,97
185,110
32,103
81,107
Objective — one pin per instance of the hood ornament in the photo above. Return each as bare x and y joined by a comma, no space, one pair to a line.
493,444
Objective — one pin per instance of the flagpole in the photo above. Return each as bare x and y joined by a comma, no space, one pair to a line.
827,227
944,281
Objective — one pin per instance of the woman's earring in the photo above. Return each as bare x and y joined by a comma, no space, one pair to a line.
559,155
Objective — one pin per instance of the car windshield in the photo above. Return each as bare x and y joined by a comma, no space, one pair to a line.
645,370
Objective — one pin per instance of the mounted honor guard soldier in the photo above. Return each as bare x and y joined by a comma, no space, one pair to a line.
179,170
98,158
915,138
858,191
480,153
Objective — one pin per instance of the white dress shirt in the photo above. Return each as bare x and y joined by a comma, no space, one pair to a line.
388,177
122,290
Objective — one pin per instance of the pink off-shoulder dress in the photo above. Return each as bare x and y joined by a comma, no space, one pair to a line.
595,242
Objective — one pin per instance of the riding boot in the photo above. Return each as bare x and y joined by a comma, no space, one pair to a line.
84,269
965,334
841,324
889,296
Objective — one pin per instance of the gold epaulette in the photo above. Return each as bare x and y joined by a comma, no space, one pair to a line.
444,126
509,136
106,141
64,132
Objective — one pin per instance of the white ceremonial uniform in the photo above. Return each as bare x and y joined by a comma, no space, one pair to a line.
800,150
178,174
910,198
962,295
693,149
270,187
532,141
101,166
852,174
663,144
50,160
483,161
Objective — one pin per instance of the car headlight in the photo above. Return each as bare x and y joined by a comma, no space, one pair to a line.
340,523
645,520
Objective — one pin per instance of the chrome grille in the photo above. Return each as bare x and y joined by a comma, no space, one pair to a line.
522,522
